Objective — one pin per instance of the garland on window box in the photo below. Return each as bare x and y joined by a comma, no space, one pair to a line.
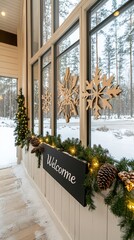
104,173
21,120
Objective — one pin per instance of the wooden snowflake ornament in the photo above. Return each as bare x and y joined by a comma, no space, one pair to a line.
46,101
68,96
99,91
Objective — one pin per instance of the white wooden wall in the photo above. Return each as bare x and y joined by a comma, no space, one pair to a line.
74,221
8,60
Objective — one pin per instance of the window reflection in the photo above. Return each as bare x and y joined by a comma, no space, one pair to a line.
46,11
35,99
35,26
68,59
46,93
112,49
64,8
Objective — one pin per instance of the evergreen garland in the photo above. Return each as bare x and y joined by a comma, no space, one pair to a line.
21,120
119,199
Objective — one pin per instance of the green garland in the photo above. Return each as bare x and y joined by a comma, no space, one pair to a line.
119,200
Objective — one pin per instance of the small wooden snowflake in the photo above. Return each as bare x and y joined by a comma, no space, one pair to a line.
68,96
46,101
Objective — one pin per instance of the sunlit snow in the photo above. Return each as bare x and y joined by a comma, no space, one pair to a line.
116,135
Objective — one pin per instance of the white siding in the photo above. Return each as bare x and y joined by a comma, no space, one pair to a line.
8,60
74,221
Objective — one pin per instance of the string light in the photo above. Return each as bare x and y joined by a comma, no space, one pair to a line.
47,139
53,145
130,205
40,140
73,150
130,186
91,170
95,162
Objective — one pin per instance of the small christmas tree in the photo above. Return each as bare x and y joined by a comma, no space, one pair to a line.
21,131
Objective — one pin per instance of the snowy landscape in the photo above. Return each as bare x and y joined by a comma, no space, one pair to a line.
116,135
7,147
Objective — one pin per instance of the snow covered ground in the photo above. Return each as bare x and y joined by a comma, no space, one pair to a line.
7,148
116,135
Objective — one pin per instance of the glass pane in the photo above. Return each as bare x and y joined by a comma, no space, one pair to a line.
72,128
8,109
65,8
35,26
46,20
112,49
35,99
46,59
46,96
8,95
69,39
105,9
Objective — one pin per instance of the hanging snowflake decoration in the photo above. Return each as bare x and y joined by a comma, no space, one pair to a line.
99,91
46,101
68,96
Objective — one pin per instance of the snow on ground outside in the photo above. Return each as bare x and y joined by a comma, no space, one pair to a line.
116,135
7,148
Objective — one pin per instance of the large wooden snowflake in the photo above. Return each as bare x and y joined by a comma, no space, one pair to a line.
68,96
46,101
99,91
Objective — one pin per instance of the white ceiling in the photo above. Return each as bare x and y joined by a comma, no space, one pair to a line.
13,10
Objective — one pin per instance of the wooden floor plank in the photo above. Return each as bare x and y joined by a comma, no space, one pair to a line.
17,219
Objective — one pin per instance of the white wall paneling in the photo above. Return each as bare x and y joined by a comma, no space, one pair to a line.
8,60
75,221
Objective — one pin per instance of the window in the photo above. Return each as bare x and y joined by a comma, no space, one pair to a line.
35,25
8,95
67,59
112,49
46,93
63,9
35,107
46,12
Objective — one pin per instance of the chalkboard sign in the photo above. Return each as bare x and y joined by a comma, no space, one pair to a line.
68,171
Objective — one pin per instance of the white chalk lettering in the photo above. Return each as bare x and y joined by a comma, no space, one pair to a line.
52,162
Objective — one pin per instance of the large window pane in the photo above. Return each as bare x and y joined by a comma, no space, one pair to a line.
35,110
35,26
68,40
63,9
69,95
105,9
8,109
46,93
112,49
46,20
8,95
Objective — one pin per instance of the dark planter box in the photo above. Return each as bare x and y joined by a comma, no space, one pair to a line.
67,170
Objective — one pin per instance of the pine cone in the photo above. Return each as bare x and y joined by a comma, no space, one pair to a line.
106,175
35,142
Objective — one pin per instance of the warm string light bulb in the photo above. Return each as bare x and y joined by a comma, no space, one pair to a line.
91,170
130,186
130,205
40,140
47,140
53,145
95,162
73,150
